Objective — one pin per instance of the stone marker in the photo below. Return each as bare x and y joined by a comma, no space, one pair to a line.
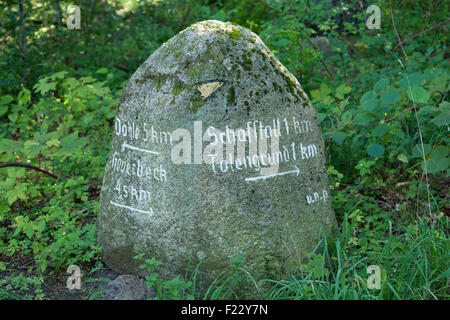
216,152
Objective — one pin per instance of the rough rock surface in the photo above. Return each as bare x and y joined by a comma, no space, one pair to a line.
220,75
127,287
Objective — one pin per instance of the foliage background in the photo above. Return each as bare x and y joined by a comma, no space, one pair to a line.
382,122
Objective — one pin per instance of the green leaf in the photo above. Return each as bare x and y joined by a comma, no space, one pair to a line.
17,193
417,150
381,84
29,231
444,116
71,143
24,96
415,79
219,15
32,147
380,130
15,173
370,105
11,196
13,116
322,95
41,226
6,99
342,90
3,110
364,119
338,137
418,94
102,70
58,75
438,160
7,145
315,265
390,97
375,150
53,142
403,158
367,96
369,101
44,86
43,265
427,110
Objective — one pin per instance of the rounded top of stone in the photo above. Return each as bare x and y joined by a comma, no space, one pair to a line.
213,29
214,25
215,52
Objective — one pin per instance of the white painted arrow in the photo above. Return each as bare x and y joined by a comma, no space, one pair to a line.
131,208
297,171
126,145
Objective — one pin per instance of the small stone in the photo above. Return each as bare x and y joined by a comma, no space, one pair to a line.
127,287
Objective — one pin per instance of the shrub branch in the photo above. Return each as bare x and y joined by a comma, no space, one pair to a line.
4,164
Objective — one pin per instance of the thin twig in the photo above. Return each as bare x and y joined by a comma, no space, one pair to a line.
392,118
321,60
396,33
268,5
395,117
420,33
121,68
4,164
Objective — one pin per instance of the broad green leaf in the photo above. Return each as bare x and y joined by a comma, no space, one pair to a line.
102,70
29,231
390,97
41,226
58,75
375,150
219,15
367,96
338,137
15,173
13,116
321,116
44,86
403,158
71,143
53,142
322,95
3,110
17,193
33,147
438,160
418,94
7,145
417,150
381,84
342,90
415,79
370,104
380,130
11,196
364,119
6,99
24,96
427,110
444,116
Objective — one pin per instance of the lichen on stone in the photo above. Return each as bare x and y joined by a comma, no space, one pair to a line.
231,96
235,34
